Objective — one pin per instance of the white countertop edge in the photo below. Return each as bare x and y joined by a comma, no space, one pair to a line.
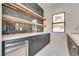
21,35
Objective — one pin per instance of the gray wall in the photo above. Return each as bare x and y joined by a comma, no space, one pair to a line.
71,16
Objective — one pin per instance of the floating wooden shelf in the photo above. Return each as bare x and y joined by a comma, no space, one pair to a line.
13,20
23,9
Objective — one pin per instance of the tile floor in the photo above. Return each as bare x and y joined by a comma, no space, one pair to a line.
56,47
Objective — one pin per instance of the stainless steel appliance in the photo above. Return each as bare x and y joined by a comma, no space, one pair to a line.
17,49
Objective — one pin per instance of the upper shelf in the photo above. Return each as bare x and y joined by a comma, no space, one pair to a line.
23,9
13,20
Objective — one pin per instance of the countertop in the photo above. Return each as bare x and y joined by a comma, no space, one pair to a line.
20,35
75,37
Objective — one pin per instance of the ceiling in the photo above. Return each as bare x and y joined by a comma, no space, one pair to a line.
48,5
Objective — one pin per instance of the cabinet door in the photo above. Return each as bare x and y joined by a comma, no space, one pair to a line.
69,46
44,40
33,46
36,43
47,38
73,48
41,41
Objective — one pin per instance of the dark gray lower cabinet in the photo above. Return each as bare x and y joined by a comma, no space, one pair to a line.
73,47
36,43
